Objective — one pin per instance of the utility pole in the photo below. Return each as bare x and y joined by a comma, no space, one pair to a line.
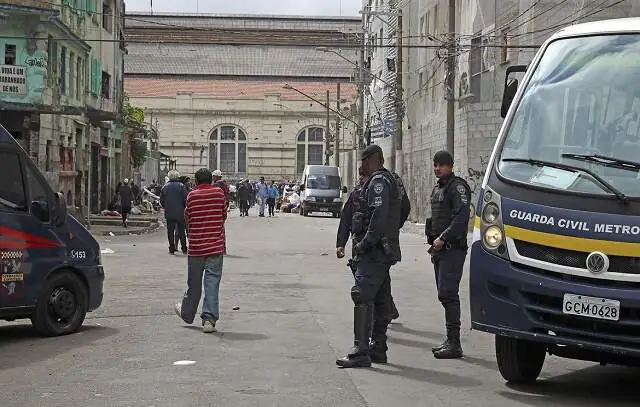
327,136
357,140
451,78
337,138
397,162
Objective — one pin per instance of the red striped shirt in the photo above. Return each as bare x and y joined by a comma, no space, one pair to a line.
205,215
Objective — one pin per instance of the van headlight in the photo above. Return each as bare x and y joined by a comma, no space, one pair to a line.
337,200
311,199
492,236
491,213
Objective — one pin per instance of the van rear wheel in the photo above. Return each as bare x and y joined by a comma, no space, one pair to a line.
519,361
61,306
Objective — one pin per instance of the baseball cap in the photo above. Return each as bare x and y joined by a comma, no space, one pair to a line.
372,149
217,173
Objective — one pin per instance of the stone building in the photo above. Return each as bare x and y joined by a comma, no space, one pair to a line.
215,87
60,91
491,35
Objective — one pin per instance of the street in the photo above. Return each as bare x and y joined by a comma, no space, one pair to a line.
279,347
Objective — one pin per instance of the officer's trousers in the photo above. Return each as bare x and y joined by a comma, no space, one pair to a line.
373,286
448,266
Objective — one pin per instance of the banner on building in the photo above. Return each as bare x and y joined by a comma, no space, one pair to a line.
13,79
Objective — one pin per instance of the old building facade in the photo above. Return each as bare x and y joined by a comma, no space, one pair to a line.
490,36
60,92
246,94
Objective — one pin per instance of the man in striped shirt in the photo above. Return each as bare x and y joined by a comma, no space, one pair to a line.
205,215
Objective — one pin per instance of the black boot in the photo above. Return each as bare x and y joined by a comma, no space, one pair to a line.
451,349
439,347
394,311
359,354
378,352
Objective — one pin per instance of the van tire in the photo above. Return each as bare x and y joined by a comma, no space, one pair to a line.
61,306
519,361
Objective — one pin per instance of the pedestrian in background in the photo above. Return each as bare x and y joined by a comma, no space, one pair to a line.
126,201
244,196
262,192
272,195
205,215
173,198
447,234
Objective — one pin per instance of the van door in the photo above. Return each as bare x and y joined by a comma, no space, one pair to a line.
29,247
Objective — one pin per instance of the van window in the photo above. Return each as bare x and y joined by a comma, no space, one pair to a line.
323,182
38,192
12,195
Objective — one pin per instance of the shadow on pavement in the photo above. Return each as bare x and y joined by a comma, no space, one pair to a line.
20,345
232,336
426,375
399,327
597,385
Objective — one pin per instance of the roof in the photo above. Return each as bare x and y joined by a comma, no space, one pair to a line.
244,21
619,25
235,61
229,89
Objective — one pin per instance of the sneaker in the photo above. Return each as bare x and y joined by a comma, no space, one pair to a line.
208,327
178,309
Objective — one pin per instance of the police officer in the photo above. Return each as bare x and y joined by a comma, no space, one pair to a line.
447,234
376,250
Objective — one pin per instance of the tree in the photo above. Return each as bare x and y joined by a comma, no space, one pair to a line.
133,121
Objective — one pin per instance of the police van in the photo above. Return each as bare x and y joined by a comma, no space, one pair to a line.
50,265
555,260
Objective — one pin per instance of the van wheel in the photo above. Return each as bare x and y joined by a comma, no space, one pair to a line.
519,361
62,305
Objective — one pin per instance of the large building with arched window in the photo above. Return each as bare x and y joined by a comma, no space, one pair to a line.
219,99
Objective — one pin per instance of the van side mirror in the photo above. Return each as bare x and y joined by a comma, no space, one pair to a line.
59,210
510,88
344,190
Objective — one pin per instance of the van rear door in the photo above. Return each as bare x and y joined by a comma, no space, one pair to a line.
29,247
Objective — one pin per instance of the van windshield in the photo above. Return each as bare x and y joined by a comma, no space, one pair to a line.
320,181
581,108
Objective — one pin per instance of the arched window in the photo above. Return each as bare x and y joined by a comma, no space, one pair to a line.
310,148
228,149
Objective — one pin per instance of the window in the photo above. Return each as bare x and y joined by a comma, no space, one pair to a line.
106,85
63,70
228,149
435,19
310,148
38,192
504,51
381,37
420,83
12,194
78,78
9,54
72,79
107,17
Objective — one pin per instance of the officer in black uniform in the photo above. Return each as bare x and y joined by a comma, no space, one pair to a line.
447,234
376,249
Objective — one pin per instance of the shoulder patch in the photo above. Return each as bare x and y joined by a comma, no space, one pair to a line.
461,189
378,188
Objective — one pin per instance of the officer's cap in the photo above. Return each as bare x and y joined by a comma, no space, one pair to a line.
371,150
443,158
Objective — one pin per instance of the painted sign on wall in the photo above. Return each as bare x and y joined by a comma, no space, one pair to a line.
13,79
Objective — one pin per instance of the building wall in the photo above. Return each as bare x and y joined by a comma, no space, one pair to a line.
479,77
270,117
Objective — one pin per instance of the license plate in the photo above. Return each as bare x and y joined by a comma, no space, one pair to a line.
592,307
324,209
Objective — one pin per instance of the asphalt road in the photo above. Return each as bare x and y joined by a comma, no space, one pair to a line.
279,347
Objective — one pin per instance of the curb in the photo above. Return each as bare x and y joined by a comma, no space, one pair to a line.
136,232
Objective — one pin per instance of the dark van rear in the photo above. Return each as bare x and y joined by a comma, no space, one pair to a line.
50,266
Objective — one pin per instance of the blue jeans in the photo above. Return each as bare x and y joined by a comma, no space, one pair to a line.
263,201
211,268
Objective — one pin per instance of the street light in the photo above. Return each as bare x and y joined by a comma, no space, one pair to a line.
325,49
287,86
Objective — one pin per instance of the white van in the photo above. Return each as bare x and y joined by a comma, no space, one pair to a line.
321,190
